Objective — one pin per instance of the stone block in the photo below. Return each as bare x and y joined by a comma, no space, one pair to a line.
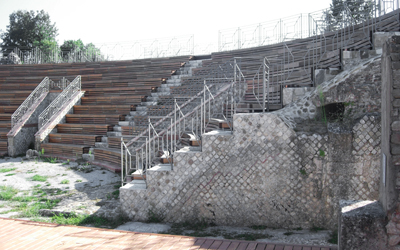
396,160
396,103
362,225
395,56
396,93
395,138
379,38
394,48
395,39
396,64
395,126
394,149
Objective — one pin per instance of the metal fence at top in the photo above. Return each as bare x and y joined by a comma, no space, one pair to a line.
152,48
265,33
302,25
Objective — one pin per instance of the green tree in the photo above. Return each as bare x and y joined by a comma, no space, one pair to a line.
348,12
29,29
79,51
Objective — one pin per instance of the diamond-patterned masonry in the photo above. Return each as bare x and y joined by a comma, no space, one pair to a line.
265,174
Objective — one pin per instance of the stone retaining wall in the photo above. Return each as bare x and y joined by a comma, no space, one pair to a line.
272,172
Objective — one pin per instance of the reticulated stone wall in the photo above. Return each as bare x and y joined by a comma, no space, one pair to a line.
272,170
264,173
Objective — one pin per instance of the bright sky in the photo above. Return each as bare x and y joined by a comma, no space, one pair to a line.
132,20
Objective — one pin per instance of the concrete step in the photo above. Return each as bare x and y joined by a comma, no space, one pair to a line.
141,108
136,185
88,157
159,94
172,81
101,144
138,113
123,123
114,133
129,118
152,98
148,103
159,168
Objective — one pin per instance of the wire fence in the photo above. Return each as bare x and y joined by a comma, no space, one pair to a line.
266,33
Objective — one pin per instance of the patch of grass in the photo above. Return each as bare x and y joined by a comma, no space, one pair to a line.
65,182
10,174
33,209
316,229
321,153
78,181
303,172
51,159
7,193
333,237
154,216
5,170
84,219
37,177
258,227
246,236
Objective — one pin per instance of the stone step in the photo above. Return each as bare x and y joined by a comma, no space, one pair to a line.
141,108
138,113
148,103
101,144
129,118
114,133
135,185
159,168
172,81
123,123
88,157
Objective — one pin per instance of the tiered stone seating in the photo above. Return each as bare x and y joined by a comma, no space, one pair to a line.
112,90
14,89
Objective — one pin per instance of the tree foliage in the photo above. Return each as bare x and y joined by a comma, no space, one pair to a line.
29,29
77,48
344,12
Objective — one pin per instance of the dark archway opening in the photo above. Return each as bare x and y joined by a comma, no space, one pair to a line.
334,111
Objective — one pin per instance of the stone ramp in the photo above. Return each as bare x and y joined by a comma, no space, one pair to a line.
21,234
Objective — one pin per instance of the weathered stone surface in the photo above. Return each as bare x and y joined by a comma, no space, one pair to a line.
395,126
32,154
394,47
393,240
268,173
395,39
395,56
362,225
396,93
394,149
396,160
288,174
395,65
395,138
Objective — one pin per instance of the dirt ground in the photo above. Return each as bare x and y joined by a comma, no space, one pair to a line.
90,190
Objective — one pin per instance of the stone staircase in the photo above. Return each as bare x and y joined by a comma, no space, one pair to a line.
136,121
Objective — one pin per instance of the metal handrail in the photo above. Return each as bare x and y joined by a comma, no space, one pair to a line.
58,103
42,88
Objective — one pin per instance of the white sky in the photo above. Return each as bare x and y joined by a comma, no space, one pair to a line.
132,20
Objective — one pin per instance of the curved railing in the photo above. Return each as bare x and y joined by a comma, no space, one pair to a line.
265,33
58,103
42,88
